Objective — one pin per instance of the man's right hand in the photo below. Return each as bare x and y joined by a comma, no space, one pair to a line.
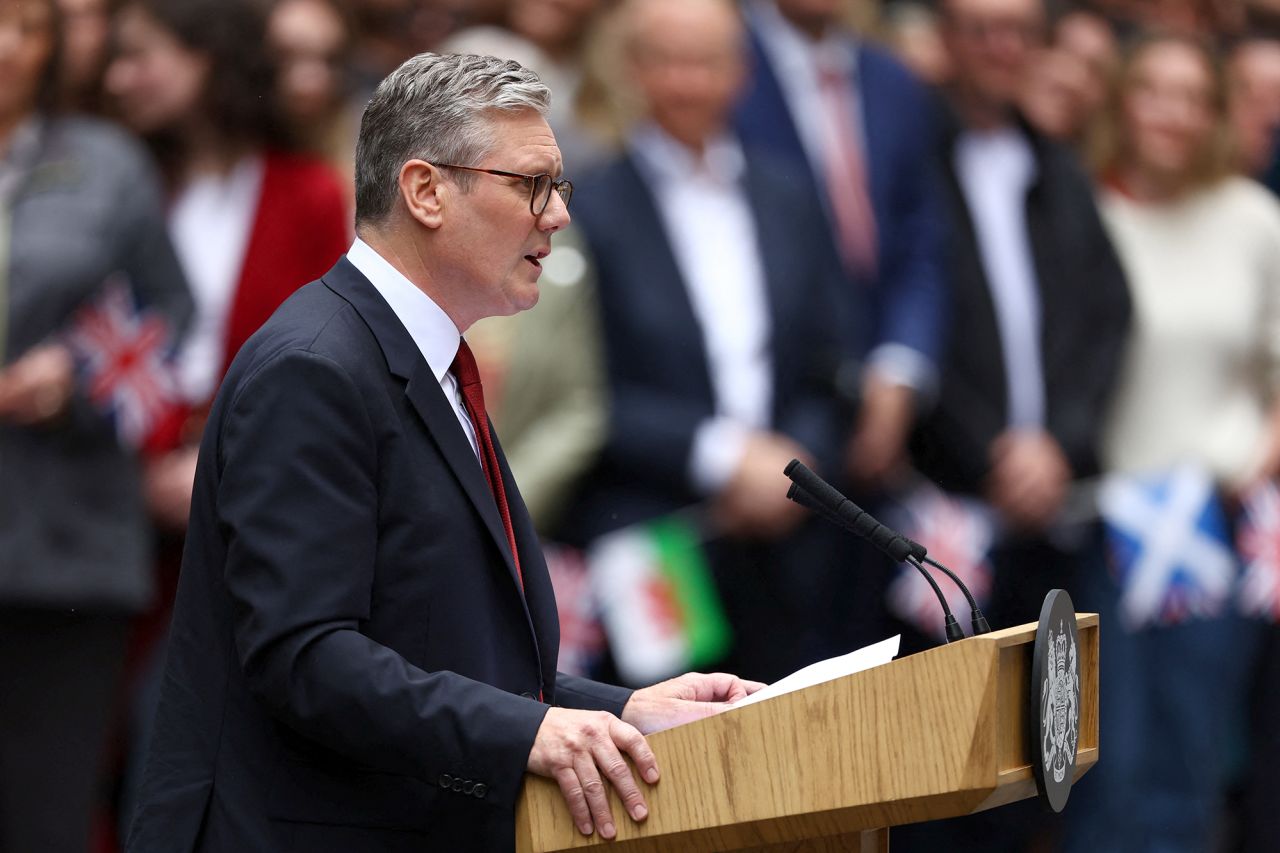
578,749
754,502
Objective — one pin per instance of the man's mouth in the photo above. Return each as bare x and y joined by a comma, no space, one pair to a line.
536,258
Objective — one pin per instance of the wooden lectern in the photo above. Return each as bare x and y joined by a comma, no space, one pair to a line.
829,768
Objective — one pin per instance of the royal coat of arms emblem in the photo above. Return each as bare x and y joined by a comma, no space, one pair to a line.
1055,699
1060,704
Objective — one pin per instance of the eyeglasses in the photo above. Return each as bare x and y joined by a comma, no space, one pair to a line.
540,186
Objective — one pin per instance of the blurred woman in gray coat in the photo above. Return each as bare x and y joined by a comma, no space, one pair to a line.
80,213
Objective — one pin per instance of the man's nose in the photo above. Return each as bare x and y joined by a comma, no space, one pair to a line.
555,215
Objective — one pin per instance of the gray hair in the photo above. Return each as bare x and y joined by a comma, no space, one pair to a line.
436,108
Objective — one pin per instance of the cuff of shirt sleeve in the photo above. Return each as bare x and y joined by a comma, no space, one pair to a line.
718,446
899,364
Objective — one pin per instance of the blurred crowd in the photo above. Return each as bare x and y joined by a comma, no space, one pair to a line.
1007,271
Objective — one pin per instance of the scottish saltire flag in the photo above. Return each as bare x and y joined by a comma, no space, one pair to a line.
1170,545
658,600
1258,544
126,358
581,634
959,533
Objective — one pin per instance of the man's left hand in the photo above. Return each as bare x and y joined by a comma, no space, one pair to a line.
689,697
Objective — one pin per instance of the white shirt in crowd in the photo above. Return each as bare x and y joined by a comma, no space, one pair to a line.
210,224
430,327
995,170
712,233
1202,367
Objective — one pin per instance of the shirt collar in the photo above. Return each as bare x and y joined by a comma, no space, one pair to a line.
665,159
432,331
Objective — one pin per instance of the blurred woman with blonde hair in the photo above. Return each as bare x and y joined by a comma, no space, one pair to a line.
1196,397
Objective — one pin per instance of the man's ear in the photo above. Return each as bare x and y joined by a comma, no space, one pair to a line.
424,193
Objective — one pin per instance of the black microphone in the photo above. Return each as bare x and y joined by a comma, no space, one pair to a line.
805,483
976,619
852,516
810,490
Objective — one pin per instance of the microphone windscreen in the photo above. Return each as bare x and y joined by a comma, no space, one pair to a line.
818,488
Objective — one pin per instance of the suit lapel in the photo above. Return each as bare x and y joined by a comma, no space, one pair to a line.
663,277
773,263
875,100
426,397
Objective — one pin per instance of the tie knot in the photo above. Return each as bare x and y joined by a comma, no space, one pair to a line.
464,366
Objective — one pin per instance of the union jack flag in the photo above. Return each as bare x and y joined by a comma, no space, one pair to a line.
581,633
126,360
1258,543
1170,545
959,533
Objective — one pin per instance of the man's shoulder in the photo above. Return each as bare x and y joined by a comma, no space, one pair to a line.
317,320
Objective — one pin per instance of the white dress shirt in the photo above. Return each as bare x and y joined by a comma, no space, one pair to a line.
995,170
712,233
210,223
432,331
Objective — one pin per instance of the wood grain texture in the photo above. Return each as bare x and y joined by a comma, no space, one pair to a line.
937,734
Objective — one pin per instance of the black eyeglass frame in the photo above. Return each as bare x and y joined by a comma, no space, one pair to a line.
563,187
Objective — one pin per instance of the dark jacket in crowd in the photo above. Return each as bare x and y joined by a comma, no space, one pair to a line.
88,210
1084,306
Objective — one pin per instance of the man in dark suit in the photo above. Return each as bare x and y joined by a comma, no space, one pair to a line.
1041,311
716,282
858,130
363,652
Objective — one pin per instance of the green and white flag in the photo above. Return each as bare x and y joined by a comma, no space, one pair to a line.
658,601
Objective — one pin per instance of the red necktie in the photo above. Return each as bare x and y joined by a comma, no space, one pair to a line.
468,376
846,176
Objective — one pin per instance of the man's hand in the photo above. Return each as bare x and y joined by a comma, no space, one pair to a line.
575,748
37,387
1029,478
878,446
689,697
754,502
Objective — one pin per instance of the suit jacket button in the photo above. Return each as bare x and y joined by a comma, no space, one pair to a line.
457,784
480,791
445,780
468,786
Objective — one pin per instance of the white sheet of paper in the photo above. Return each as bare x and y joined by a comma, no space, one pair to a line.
827,670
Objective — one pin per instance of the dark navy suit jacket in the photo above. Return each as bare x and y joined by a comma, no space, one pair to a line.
352,664
659,380
907,303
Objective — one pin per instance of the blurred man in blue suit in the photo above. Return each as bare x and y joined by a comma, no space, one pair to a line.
856,129
716,283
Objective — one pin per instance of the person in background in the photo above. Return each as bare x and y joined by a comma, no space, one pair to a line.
87,37
715,281
1090,40
1198,386
251,219
1068,82
80,205
913,34
549,37
312,41
858,131
1253,106
1040,317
